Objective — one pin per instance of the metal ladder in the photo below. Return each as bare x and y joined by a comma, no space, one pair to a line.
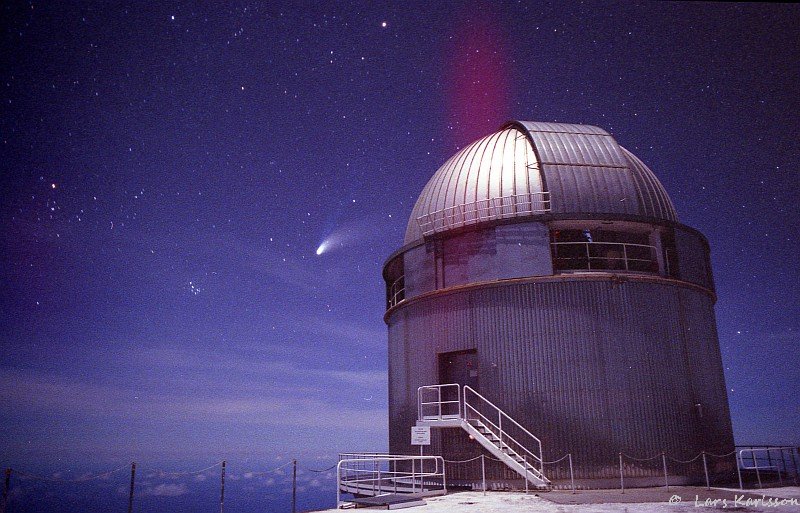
505,438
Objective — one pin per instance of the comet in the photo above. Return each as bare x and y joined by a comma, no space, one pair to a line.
337,239
349,234
333,241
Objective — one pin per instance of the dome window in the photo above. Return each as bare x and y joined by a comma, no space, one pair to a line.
602,250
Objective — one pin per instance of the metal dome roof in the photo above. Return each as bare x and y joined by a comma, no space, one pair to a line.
528,169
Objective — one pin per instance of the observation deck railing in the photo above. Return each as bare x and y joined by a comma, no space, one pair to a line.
604,256
397,292
504,207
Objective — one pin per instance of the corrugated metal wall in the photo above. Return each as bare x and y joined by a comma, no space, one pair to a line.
591,367
693,259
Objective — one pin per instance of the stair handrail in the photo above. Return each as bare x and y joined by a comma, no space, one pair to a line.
504,438
499,425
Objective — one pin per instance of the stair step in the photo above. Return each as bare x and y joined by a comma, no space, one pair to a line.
497,438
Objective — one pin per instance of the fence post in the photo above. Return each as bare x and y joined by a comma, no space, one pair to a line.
130,496
571,476
5,490
664,461
621,479
705,470
794,464
483,474
294,486
222,490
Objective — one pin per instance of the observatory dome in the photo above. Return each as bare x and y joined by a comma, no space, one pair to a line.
544,270
528,169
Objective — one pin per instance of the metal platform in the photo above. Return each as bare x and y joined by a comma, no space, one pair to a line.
391,501
394,480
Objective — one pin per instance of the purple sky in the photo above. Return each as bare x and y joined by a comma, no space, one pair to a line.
169,170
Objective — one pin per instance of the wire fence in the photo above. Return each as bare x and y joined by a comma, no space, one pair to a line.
753,466
481,460
16,477
81,479
745,467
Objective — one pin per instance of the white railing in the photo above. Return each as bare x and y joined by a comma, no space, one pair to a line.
397,291
432,406
379,474
500,423
768,452
484,210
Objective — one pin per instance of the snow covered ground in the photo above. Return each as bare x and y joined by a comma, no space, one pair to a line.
788,500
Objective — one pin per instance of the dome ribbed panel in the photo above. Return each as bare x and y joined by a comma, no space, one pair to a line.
499,165
654,199
538,126
582,168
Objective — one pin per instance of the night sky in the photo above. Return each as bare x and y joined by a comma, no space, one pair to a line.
169,171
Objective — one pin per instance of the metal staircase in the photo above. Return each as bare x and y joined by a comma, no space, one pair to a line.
451,405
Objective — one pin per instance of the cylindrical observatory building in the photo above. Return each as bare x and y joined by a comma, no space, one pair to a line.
545,267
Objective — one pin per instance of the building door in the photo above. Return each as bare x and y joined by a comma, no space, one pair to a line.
458,367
